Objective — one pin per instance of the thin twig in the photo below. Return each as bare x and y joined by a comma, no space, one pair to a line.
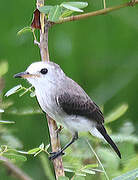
98,160
55,142
18,173
95,13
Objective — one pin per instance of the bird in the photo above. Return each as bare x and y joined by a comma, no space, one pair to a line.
66,102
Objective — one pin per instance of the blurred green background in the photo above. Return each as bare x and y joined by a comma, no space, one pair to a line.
100,53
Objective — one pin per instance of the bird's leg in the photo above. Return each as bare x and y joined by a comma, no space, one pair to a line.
59,129
61,152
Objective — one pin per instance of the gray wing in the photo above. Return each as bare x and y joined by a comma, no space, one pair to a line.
81,105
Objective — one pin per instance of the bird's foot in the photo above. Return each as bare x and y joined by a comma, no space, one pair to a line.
54,155
59,129
132,2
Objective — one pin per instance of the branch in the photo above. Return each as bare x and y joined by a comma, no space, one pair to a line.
14,169
95,13
55,142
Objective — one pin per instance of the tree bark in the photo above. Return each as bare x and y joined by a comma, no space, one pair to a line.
55,142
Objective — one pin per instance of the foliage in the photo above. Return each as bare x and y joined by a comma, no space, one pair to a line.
54,13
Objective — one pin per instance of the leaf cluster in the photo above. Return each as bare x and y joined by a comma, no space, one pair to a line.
54,13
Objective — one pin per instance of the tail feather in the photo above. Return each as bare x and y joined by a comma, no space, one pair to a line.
103,131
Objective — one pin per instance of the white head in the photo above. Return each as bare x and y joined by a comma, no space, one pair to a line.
42,73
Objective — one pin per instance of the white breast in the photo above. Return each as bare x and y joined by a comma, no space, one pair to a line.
48,104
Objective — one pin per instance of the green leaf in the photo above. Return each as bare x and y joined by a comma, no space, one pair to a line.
46,148
3,148
1,110
3,68
80,5
41,146
13,90
32,94
74,6
26,90
88,171
80,174
131,175
63,178
90,166
15,157
6,122
117,113
45,9
55,13
66,13
25,111
24,30
69,170
34,150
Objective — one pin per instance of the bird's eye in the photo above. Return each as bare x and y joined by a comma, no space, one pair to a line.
43,71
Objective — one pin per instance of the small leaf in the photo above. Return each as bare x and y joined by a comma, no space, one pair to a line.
41,146
45,9
13,90
80,5
131,175
55,13
3,148
24,30
15,157
33,151
80,174
36,20
46,148
3,68
72,8
69,170
117,113
90,166
88,171
66,13
32,94
1,110
6,122
25,111
63,178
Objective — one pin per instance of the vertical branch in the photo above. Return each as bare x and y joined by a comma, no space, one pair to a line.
55,142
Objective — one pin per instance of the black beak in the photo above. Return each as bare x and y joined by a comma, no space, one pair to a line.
21,75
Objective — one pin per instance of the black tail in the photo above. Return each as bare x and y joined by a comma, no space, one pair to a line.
103,131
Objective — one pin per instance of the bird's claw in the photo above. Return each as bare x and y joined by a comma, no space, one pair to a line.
59,130
54,155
